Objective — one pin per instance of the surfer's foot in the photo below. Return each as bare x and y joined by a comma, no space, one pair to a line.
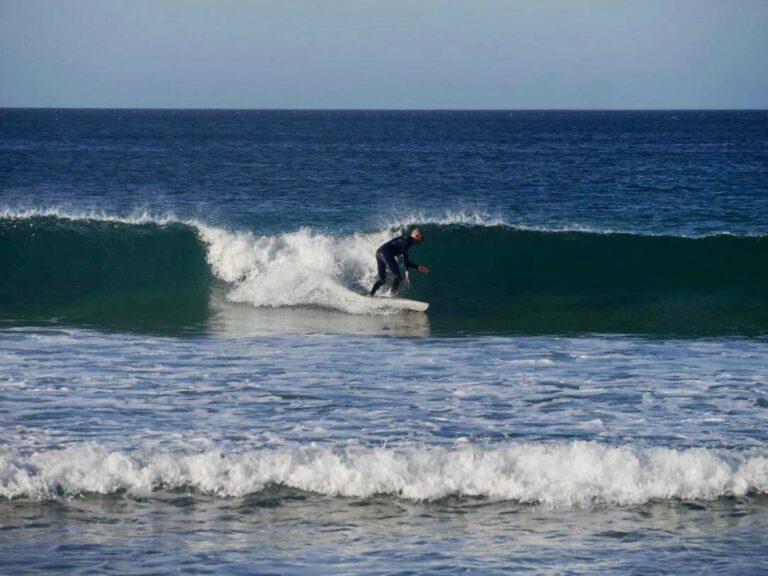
376,287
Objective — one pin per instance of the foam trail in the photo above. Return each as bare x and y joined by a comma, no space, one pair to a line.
560,475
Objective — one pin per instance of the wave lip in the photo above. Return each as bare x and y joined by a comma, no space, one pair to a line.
558,475
135,217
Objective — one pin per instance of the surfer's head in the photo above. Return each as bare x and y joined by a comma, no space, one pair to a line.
417,235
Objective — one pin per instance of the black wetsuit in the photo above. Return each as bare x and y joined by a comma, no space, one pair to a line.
385,258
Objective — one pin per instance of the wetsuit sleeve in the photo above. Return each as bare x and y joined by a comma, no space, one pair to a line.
407,261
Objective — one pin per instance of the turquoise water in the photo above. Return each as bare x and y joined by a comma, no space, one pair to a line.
190,380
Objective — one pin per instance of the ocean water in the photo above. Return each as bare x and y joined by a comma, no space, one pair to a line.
191,380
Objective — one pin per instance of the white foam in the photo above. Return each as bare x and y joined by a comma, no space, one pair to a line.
301,268
562,475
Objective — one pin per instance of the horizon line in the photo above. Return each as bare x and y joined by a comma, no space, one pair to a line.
328,109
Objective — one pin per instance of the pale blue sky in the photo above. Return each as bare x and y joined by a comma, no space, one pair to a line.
510,54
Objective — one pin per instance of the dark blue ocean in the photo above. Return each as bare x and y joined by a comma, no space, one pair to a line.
192,379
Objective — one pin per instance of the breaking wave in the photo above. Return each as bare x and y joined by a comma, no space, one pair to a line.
486,276
560,475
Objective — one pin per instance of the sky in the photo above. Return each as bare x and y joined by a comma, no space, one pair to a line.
385,54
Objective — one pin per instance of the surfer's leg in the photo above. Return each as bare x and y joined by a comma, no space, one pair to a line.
382,274
395,269
376,286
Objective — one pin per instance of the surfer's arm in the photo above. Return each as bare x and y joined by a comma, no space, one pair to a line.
407,263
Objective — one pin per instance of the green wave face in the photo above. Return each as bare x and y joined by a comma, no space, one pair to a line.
484,279
102,273
497,279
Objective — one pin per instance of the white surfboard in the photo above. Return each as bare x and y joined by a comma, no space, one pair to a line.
402,303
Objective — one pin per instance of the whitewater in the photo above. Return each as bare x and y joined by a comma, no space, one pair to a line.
573,475
421,423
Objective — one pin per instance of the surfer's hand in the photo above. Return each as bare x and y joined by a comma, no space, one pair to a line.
424,269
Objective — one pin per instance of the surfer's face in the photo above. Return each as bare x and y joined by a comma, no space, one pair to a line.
417,237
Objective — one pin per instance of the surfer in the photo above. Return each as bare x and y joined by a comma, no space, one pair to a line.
385,258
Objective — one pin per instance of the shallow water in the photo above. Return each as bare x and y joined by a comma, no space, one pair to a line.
349,453
298,533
